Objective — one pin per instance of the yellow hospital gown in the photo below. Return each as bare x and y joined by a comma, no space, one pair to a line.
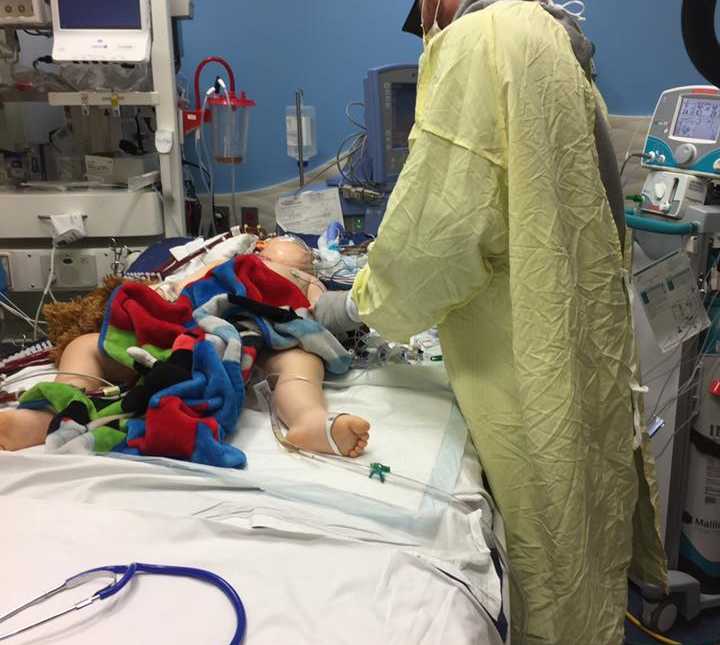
500,232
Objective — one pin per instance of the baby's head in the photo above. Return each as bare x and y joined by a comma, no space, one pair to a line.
289,251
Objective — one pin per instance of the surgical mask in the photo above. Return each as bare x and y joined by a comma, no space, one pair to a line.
579,5
435,29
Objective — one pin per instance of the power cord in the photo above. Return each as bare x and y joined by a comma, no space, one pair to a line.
10,307
66,228
658,637
37,32
48,286
349,116
640,155
353,172
324,168
192,164
48,60
14,380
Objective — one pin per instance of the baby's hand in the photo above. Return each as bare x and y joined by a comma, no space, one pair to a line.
315,291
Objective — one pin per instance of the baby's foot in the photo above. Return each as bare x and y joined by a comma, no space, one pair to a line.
350,433
21,429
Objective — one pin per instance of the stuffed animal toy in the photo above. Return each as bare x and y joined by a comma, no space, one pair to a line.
69,320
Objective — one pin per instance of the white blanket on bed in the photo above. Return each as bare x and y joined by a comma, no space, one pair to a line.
320,555
296,589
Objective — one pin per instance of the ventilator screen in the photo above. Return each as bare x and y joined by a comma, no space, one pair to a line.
404,96
99,14
698,119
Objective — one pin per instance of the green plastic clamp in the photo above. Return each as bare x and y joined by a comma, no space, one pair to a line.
380,470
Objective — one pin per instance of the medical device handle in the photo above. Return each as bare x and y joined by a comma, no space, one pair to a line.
201,67
640,223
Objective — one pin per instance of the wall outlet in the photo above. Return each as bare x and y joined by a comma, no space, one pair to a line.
73,269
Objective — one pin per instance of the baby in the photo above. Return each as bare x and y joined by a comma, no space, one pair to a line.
298,397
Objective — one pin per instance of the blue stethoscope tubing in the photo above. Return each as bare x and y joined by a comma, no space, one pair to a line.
127,572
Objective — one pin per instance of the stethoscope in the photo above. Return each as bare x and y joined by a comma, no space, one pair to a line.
122,575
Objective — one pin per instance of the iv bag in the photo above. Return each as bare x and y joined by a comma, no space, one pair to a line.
309,132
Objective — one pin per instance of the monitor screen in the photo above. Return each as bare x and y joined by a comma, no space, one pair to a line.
404,96
99,14
699,119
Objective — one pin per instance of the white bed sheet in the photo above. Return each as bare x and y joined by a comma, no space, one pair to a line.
296,589
416,429
314,560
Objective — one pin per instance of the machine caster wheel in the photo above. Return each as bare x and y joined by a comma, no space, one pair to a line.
659,617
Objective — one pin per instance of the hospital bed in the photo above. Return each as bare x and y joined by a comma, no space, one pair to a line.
318,551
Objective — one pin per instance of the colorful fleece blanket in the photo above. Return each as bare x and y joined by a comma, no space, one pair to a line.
194,358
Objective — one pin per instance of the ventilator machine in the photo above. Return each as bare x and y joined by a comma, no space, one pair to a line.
678,216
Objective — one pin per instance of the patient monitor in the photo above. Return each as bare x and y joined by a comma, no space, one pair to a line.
101,30
390,95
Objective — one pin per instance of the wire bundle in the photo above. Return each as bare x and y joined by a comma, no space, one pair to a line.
10,307
353,150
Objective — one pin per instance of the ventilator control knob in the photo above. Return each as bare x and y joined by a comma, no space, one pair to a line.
685,154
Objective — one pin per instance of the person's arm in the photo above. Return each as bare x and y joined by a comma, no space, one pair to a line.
445,225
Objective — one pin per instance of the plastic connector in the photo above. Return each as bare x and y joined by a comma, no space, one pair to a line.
67,228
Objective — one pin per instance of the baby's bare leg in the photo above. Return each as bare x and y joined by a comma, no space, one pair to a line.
25,428
84,357
302,408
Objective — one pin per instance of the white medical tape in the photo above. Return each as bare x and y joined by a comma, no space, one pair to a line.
329,423
636,389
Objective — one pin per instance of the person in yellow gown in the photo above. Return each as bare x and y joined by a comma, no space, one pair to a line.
506,231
